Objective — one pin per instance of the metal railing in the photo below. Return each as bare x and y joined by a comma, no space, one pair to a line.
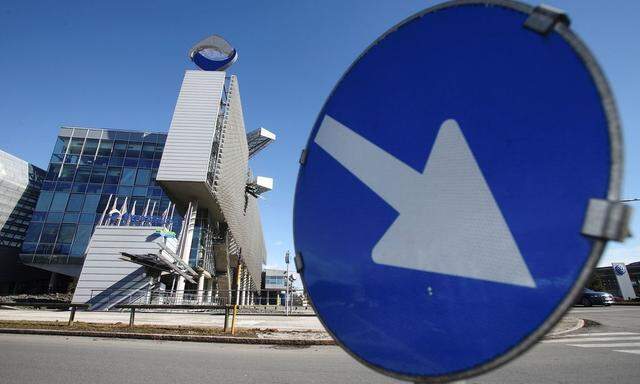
259,302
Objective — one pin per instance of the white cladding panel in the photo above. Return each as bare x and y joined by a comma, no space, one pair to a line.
105,274
239,209
187,151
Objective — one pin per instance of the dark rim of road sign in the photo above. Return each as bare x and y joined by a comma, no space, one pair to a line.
615,180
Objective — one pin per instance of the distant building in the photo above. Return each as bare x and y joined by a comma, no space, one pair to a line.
20,184
607,277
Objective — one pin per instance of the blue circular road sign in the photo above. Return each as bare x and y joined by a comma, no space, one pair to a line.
442,194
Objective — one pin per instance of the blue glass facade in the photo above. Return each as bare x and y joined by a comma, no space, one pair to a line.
86,167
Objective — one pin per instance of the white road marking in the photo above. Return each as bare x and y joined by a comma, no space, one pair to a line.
449,221
598,334
592,339
605,345
634,351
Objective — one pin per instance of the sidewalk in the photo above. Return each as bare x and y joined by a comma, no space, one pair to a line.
284,323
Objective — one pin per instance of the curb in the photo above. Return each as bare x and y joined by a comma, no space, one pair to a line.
168,337
579,324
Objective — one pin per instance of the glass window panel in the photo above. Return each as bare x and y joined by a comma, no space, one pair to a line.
56,158
143,177
68,171
133,149
91,203
94,188
33,233
54,217
97,176
83,234
29,248
109,189
119,149
54,170
128,176
80,132
122,135
104,149
87,218
139,191
48,185
116,161
44,201
44,249
79,187
49,233
75,202
61,249
70,218
145,163
59,201
148,150
86,160
75,147
130,162
124,191
65,234
83,174
71,159
61,145
90,147
38,216
63,187
101,160
113,175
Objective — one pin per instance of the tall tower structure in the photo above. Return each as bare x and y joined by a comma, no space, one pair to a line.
205,170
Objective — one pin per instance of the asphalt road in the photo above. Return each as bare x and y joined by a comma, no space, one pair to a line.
602,354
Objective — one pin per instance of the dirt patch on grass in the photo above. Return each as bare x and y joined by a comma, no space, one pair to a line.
124,328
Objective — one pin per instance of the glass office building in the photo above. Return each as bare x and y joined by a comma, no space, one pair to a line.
20,184
87,167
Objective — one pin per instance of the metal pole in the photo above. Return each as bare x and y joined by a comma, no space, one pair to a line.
286,294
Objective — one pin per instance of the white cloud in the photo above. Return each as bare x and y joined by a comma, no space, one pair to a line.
278,242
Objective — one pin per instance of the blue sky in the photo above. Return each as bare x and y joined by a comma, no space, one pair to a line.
119,64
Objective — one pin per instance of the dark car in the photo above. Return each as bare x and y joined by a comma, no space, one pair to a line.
591,297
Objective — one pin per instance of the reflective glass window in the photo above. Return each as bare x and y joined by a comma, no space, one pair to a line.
79,187
148,150
104,149
116,161
33,233
143,177
54,170
63,187
113,175
128,176
71,159
75,202
87,218
29,248
86,160
133,149
75,147
44,201
59,201
61,145
70,218
49,233
97,176
90,147
91,203
38,216
109,189
56,158
67,173
119,149
101,160
55,217
83,174
94,188
130,162
65,234
124,191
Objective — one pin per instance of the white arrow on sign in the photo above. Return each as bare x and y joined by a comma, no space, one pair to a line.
448,220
